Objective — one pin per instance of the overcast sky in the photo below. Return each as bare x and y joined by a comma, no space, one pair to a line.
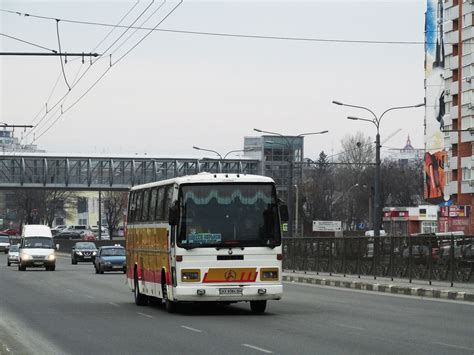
177,90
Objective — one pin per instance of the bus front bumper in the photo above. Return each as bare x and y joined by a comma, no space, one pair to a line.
227,293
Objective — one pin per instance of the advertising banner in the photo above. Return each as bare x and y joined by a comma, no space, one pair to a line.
435,157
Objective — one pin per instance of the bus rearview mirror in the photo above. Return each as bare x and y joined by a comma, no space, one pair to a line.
173,216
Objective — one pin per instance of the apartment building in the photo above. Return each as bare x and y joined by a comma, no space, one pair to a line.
449,115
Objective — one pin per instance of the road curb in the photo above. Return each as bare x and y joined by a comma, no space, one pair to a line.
383,287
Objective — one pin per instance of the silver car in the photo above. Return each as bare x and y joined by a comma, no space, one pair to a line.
13,255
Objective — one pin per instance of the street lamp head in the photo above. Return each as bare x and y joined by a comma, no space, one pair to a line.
420,105
353,118
194,147
323,132
338,103
257,130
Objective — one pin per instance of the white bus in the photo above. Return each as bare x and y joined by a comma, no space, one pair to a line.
206,237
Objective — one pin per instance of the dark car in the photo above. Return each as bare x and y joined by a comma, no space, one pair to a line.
110,258
67,235
83,252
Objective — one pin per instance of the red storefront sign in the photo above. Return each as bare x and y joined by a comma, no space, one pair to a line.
455,211
453,224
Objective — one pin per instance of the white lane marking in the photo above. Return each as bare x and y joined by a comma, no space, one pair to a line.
69,290
89,296
114,304
144,315
455,346
191,329
258,349
348,326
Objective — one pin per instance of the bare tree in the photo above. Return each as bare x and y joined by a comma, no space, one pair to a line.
114,204
317,190
58,203
353,179
41,206
402,185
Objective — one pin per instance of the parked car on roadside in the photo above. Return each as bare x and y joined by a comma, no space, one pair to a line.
110,258
462,248
58,229
87,235
13,255
83,252
4,242
67,235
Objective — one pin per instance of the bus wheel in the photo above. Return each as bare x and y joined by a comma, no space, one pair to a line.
140,299
258,306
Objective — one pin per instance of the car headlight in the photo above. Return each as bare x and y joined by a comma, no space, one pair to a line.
107,262
79,253
94,253
51,257
26,256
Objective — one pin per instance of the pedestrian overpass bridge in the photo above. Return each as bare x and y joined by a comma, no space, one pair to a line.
76,172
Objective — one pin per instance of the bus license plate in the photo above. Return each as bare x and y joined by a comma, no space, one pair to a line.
230,291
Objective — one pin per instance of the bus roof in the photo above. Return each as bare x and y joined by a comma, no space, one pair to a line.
208,178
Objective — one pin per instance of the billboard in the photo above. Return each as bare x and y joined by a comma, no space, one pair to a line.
435,157
327,226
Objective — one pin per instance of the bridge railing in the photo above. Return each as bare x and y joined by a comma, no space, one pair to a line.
107,173
422,257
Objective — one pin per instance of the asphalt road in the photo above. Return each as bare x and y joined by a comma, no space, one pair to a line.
75,311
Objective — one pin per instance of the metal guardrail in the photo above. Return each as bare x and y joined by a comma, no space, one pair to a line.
423,257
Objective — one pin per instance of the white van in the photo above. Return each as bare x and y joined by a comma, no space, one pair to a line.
37,248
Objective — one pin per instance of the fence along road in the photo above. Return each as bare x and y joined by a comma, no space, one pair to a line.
423,257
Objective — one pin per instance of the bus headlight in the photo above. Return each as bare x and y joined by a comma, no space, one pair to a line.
269,274
51,257
190,275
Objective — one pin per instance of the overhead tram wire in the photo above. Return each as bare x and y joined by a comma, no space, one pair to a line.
146,20
75,82
27,42
62,100
60,58
234,35
119,60
131,25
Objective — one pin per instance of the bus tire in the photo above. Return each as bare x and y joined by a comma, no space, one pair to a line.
140,299
258,307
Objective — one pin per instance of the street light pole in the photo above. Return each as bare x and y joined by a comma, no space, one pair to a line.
291,164
376,121
208,150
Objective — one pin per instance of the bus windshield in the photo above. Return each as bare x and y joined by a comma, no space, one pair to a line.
228,215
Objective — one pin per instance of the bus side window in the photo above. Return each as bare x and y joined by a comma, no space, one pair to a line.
159,204
152,211
139,206
167,201
146,204
131,207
